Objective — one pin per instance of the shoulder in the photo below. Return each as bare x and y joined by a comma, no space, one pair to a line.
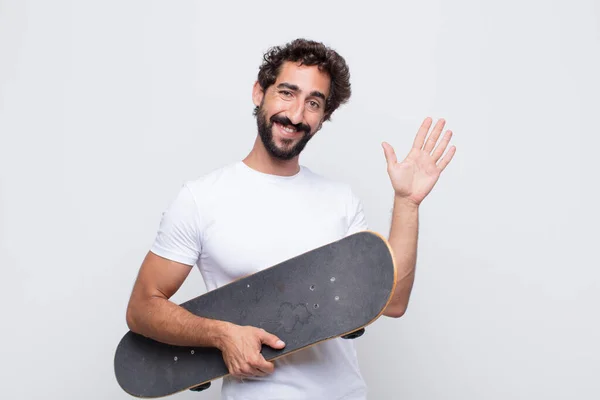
212,181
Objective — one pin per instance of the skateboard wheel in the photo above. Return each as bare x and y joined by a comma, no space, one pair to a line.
354,334
200,388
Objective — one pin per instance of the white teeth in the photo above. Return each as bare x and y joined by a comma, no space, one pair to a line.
288,129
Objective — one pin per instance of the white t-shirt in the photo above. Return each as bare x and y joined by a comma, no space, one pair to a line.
235,221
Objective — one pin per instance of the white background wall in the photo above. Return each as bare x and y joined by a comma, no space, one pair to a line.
107,107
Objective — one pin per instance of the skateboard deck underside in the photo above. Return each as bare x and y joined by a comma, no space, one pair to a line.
328,292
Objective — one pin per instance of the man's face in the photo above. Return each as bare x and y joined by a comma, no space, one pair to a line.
291,110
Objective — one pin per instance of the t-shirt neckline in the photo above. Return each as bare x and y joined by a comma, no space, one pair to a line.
271,177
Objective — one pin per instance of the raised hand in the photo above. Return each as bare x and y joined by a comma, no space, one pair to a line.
414,177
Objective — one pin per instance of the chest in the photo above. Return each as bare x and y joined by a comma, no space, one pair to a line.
248,234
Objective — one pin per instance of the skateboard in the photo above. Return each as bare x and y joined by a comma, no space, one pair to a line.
332,291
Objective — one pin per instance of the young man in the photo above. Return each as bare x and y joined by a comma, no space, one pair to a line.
266,208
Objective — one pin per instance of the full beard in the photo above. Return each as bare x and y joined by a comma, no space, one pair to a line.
289,150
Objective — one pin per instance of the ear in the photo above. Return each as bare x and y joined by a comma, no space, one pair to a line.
257,94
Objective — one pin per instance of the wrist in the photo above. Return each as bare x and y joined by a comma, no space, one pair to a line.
405,203
220,334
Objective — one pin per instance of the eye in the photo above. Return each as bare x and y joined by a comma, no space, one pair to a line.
285,93
315,105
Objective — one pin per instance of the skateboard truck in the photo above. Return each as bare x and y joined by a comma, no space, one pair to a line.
200,388
355,334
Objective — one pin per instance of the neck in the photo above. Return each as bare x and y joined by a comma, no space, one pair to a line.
260,160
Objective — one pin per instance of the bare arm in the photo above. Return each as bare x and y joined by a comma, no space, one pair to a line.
403,241
412,180
152,314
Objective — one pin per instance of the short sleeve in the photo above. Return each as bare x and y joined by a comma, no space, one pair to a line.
355,214
179,233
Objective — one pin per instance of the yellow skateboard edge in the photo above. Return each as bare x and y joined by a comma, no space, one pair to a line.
384,239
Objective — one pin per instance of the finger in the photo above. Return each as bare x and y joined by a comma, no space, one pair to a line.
447,158
267,367
390,154
248,371
258,372
422,133
271,340
240,373
439,150
234,371
263,365
255,370
435,134
237,368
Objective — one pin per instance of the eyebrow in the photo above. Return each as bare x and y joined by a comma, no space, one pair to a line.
314,93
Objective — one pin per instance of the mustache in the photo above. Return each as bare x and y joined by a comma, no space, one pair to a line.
286,121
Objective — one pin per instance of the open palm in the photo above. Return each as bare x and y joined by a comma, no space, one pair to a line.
414,177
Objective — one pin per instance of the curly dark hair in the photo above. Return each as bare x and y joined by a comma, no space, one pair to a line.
309,52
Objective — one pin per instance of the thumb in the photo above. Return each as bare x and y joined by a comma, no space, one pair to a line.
271,340
390,154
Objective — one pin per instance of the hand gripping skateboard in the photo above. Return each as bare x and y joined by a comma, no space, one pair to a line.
330,292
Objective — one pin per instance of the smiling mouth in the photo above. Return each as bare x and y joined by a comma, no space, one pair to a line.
287,130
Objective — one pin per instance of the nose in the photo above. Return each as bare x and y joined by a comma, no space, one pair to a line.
296,112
